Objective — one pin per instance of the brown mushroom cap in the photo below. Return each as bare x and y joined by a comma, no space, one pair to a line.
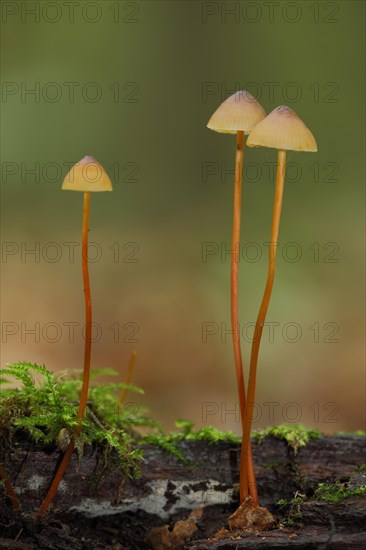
282,129
239,112
87,175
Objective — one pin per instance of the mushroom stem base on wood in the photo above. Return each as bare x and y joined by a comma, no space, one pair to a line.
247,481
280,178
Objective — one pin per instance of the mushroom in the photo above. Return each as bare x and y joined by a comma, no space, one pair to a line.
86,176
238,114
282,129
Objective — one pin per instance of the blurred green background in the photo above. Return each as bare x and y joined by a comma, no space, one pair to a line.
134,84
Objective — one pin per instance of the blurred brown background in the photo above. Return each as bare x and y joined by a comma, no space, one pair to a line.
134,83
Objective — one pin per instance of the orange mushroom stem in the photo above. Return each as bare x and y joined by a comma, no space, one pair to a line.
15,504
88,308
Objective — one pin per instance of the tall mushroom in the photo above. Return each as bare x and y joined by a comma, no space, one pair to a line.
282,129
238,114
86,176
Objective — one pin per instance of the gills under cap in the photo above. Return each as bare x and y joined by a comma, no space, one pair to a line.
283,129
87,175
239,112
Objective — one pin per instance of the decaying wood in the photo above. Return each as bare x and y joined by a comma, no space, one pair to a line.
318,525
307,539
168,491
167,482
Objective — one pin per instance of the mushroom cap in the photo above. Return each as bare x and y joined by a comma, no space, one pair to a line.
283,129
87,175
239,112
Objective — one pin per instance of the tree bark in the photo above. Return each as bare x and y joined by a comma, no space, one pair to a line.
214,472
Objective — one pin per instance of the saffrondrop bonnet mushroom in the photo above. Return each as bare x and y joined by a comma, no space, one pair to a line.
283,130
238,114
87,176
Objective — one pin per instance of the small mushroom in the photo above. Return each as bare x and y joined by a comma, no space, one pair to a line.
282,129
238,114
87,176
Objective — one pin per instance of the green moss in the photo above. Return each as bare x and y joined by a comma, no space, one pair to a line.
44,411
336,492
170,440
272,465
293,509
288,502
295,435
283,502
45,408
209,433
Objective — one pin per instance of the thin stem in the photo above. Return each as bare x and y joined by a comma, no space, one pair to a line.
131,366
56,481
87,355
280,178
88,308
248,465
15,504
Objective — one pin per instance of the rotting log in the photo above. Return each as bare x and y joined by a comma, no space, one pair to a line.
166,484
169,490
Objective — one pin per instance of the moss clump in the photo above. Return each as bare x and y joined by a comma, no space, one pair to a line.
188,433
45,408
288,502
209,433
337,492
295,435
293,509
